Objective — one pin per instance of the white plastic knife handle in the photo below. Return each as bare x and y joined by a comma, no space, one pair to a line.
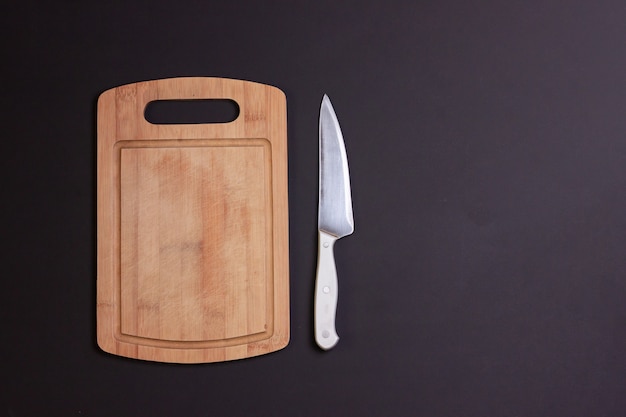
326,293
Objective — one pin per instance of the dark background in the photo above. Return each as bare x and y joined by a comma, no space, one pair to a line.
487,149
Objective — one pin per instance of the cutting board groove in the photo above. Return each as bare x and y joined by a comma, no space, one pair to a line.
192,225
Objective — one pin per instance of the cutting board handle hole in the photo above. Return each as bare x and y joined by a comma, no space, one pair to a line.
191,111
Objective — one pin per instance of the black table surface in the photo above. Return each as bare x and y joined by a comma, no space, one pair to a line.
487,149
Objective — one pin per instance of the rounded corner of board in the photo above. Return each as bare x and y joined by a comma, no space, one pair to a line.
105,95
104,343
283,343
277,91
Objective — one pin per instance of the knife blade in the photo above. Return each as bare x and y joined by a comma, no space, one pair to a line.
335,220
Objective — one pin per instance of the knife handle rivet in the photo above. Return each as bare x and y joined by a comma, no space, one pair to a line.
326,244
325,334
326,289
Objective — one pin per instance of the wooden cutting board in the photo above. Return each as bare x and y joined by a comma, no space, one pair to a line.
193,261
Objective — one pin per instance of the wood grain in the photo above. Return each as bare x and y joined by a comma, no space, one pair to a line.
192,225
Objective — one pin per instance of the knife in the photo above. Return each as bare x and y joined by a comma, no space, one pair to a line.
335,220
